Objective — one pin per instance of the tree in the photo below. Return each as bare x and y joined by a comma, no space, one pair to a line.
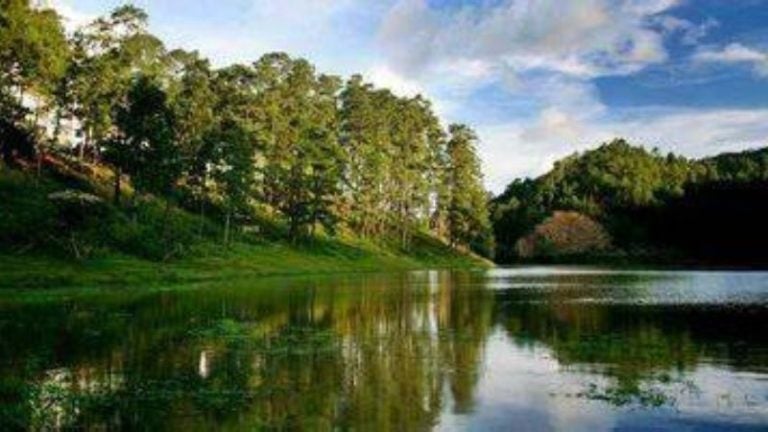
468,222
144,145
33,48
296,112
108,54
616,184
324,157
194,102
274,136
395,163
364,137
232,149
33,58
15,138
410,186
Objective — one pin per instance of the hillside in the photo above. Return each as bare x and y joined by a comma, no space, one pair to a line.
62,228
656,208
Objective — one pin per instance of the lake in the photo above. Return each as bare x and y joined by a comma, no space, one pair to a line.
535,348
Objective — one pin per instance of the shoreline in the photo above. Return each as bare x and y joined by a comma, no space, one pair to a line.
42,273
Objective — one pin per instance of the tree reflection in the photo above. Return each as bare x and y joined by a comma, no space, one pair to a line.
645,351
378,355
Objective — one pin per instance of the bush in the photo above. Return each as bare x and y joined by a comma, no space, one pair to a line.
27,217
39,214
564,233
153,231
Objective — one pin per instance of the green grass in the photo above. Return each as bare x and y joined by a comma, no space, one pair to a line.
238,261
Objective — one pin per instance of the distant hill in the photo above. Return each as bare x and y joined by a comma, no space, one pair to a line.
655,207
748,165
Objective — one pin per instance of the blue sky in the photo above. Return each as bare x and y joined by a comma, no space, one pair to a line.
538,79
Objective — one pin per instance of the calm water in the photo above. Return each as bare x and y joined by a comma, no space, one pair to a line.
510,349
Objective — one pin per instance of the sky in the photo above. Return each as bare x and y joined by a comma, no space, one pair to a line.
537,79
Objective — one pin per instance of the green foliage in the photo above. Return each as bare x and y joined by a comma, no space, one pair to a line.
396,173
146,125
26,216
302,158
33,47
468,222
742,167
16,140
153,232
33,58
614,175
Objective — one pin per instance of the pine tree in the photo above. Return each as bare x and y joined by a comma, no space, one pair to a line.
468,222
108,54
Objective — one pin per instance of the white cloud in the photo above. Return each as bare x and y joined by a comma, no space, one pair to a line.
306,28
72,17
586,39
697,133
542,52
518,149
229,31
382,76
547,53
735,53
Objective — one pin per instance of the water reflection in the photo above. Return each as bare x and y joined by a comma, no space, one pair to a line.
538,349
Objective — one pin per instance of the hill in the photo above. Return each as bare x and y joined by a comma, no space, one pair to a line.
656,208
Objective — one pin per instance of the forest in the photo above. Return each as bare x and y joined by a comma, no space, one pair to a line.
638,205
109,139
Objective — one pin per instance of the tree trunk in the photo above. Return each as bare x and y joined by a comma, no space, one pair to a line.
201,225
40,155
86,141
38,142
133,205
227,222
116,196
166,215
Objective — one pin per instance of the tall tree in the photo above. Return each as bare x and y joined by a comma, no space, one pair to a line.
364,136
33,48
468,222
33,58
194,102
108,53
298,130
143,145
232,150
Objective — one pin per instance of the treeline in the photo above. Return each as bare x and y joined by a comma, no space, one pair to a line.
273,137
655,207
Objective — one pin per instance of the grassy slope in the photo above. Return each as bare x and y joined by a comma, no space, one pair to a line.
205,259
239,261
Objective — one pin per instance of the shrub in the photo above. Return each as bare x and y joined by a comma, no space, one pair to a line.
564,233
